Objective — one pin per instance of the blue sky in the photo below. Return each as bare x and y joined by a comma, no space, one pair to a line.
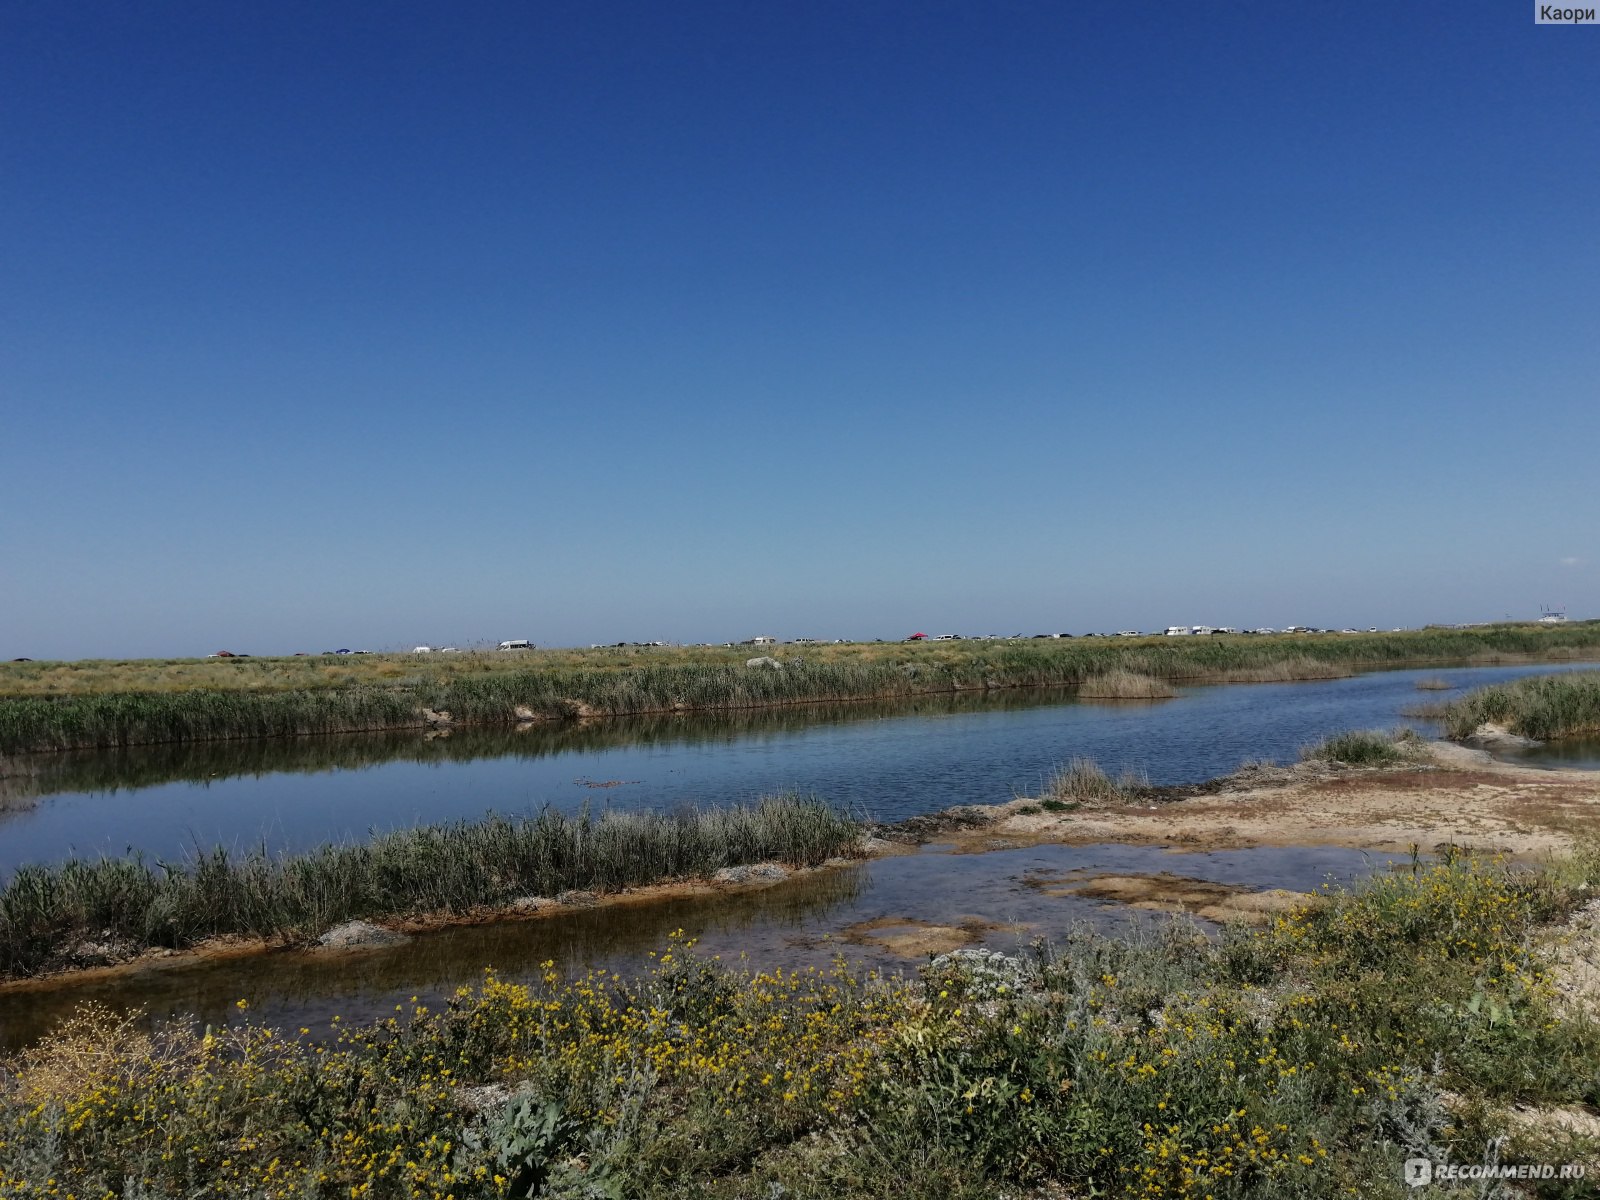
371,325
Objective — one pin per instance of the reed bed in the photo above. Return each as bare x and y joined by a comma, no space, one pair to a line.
1413,1015
1294,669
1082,782
438,869
1125,685
61,706
1366,748
32,724
1545,707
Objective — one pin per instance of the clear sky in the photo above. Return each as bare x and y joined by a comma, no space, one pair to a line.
377,324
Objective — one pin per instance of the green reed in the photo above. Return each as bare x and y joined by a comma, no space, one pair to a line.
428,870
1540,706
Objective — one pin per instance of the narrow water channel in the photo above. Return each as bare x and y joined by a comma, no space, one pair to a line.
1003,899
888,762
885,761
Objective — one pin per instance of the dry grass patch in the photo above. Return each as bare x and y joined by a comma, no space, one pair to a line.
1125,685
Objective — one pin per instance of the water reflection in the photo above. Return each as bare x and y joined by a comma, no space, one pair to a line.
1581,754
889,761
26,778
801,922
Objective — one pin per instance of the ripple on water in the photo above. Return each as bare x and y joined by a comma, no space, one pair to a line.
890,913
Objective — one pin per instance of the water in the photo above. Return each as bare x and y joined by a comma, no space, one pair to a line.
1581,754
891,761
806,921
888,762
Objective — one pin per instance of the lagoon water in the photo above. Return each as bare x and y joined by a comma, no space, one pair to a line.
1004,895
888,762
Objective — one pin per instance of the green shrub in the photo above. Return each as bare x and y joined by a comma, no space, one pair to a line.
1539,706
1366,748
1303,1061
432,869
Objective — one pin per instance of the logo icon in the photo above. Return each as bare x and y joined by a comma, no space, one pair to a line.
1419,1172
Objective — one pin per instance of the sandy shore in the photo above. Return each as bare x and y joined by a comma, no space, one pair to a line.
1460,797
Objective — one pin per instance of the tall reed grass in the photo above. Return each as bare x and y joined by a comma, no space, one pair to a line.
1125,685
1307,1060
434,869
1083,782
58,710
1366,748
1539,706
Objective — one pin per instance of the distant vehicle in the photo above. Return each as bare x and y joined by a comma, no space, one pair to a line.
422,649
1129,633
520,644
22,660
223,654
917,637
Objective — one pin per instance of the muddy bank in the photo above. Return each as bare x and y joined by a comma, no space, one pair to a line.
97,962
41,711
1457,797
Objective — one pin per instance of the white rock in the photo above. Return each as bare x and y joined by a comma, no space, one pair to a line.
359,935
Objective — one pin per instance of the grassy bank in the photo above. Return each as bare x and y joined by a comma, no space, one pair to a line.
1306,1060
46,706
1368,748
1542,706
26,777
1125,685
132,905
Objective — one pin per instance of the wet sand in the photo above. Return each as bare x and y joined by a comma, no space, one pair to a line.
1462,798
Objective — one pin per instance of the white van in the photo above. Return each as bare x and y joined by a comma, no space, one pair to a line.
517,644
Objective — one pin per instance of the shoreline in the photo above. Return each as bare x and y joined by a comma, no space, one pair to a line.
1462,798
50,706
507,712
223,949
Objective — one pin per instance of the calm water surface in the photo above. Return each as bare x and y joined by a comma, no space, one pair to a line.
802,922
1582,754
887,762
